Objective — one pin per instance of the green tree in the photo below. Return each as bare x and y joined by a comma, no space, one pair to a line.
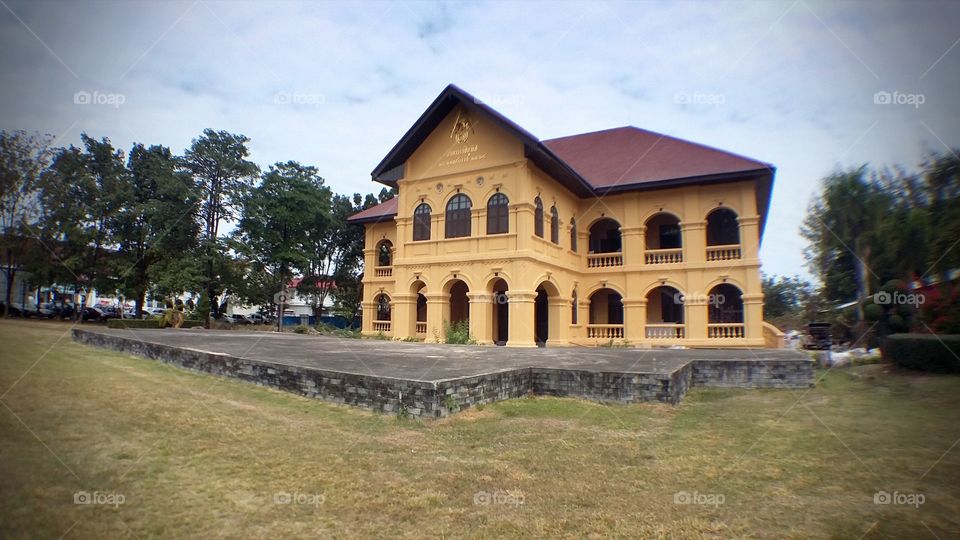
156,229
336,253
223,176
23,158
783,295
280,217
81,194
844,222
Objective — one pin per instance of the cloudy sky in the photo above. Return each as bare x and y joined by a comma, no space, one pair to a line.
335,84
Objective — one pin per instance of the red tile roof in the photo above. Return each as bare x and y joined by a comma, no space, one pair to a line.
376,213
589,164
627,156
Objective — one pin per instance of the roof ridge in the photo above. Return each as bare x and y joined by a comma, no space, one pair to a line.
765,164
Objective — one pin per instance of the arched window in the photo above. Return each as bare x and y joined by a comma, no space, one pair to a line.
383,308
498,214
538,217
573,234
421,222
573,315
458,216
385,254
554,225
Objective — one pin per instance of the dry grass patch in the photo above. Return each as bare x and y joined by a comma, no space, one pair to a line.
200,456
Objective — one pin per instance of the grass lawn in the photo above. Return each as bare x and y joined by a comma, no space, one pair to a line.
192,455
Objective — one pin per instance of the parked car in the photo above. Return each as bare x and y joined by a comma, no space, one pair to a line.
235,319
64,311
99,313
41,311
260,318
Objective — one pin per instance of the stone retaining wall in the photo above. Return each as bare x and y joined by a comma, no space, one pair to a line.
753,373
440,398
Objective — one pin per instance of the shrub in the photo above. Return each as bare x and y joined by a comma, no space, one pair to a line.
351,333
458,334
325,328
172,317
301,329
936,353
133,323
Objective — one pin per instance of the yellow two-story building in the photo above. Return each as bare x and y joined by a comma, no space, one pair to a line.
622,235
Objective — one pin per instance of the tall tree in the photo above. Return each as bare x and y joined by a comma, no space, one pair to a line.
223,176
23,158
156,224
336,252
280,217
81,194
844,220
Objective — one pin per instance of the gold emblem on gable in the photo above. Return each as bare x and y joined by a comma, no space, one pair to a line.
462,128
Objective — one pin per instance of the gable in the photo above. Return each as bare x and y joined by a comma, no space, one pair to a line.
461,142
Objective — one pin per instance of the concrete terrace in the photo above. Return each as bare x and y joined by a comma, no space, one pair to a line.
375,374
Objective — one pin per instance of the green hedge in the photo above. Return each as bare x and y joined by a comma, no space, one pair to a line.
148,323
940,353
133,323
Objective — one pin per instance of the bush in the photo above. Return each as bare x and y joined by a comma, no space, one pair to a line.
133,323
301,329
351,333
458,334
936,353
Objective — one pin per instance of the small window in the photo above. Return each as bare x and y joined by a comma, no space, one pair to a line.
498,214
573,316
421,222
554,225
538,217
458,216
573,235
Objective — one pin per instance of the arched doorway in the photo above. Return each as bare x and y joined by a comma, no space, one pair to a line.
723,235
543,312
605,236
459,303
419,288
665,313
664,240
606,315
725,312
722,228
383,318
541,316
385,253
501,313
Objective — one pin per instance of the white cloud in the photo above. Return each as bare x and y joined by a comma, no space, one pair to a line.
797,79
